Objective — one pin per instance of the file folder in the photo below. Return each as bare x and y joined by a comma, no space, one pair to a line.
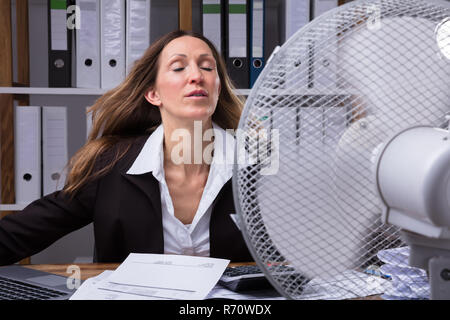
137,30
324,55
296,15
324,66
27,153
112,35
213,22
237,58
321,6
54,148
87,39
257,39
60,45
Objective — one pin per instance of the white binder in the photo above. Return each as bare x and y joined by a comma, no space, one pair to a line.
212,22
296,16
112,39
325,67
321,6
54,148
137,29
27,154
325,53
88,45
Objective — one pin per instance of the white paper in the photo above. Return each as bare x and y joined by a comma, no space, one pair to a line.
166,276
396,256
407,282
219,292
350,284
89,290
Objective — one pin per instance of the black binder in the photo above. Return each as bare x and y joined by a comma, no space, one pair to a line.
59,44
238,65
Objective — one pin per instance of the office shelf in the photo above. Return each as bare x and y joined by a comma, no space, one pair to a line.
73,91
13,207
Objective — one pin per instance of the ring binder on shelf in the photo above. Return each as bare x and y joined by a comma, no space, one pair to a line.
88,45
213,23
112,35
60,45
237,56
324,67
54,148
321,6
137,30
256,39
27,153
296,15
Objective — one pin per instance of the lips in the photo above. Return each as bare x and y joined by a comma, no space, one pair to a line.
197,93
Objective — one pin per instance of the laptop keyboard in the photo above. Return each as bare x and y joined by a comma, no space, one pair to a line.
16,290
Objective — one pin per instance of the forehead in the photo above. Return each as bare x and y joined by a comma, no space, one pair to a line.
186,45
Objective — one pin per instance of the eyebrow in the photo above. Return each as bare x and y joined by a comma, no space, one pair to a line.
185,56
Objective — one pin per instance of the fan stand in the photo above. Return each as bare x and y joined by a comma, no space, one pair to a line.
432,255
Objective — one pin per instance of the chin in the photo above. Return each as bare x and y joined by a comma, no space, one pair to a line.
199,115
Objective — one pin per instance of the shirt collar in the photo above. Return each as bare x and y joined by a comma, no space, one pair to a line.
151,157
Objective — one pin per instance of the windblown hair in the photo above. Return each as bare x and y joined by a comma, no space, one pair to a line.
123,113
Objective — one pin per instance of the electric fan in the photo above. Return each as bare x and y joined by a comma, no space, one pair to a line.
314,129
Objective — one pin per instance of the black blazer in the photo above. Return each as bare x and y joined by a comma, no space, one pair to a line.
126,213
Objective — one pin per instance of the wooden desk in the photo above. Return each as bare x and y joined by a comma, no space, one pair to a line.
88,270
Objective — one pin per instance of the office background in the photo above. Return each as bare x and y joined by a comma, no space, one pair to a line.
78,246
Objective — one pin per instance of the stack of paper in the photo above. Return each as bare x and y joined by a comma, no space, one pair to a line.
407,282
155,276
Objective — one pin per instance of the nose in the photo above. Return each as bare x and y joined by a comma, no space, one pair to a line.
196,75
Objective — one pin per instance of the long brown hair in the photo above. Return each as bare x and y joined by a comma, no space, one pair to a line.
123,113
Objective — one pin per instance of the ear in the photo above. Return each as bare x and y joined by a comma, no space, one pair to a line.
153,97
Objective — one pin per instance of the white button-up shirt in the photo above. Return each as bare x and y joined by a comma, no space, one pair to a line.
190,239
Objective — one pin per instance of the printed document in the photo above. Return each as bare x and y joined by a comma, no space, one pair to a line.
162,276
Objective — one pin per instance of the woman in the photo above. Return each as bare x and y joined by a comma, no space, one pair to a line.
128,179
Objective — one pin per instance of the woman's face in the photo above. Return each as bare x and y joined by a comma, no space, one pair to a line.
187,84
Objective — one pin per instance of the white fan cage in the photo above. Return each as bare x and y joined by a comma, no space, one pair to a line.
311,127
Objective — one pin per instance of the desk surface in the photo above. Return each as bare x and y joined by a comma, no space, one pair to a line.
88,270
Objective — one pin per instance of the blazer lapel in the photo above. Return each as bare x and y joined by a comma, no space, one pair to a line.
148,184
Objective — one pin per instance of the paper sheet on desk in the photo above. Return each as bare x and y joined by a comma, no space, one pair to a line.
89,290
166,276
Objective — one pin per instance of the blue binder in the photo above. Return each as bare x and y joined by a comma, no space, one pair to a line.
257,31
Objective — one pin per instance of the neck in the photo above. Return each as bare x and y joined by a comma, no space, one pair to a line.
188,147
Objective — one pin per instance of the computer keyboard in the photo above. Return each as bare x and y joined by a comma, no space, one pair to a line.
246,278
243,278
16,290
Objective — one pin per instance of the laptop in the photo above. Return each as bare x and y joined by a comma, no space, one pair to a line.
21,283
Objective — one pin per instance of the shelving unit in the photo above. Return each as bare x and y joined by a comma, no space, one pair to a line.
28,87
72,91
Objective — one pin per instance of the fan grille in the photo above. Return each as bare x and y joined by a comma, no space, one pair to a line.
327,100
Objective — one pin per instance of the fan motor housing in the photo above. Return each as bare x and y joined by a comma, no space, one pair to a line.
413,179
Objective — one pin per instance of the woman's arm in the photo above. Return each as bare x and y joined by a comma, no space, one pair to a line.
43,222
